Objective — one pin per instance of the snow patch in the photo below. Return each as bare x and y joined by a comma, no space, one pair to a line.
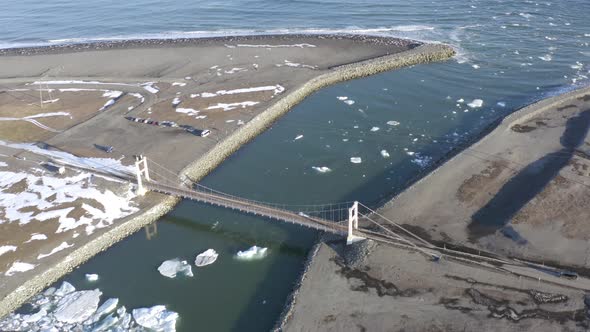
62,246
231,106
19,267
5,249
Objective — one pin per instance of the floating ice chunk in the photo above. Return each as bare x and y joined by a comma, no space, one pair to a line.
298,137
77,306
475,103
546,57
252,253
384,153
5,249
65,289
207,257
34,317
172,267
393,123
375,129
349,102
501,104
356,160
19,267
475,66
156,318
107,307
62,246
410,153
460,100
91,277
342,98
176,102
322,169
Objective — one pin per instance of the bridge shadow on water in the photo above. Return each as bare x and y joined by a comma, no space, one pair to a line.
528,183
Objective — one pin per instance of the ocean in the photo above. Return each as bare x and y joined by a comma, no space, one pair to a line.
510,53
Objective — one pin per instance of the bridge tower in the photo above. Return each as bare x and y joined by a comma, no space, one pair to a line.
141,168
353,223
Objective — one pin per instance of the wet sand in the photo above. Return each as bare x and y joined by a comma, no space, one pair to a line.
235,87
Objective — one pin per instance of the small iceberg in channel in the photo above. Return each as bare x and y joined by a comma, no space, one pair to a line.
173,267
252,253
207,257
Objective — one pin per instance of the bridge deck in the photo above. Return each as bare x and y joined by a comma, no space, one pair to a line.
249,207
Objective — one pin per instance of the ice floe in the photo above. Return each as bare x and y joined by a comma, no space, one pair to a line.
156,318
356,160
252,253
171,268
475,103
91,277
375,129
62,246
342,98
393,123
207,257
66,309
349,102
322,169
19,267
501,104
298,137
384,154
78,306
422,161
5,249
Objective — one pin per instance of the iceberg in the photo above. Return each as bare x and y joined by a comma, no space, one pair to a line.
207,257
78,306
252,253
172,267
156,318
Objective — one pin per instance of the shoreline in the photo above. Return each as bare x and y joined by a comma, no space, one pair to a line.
219,152
180,42
505,123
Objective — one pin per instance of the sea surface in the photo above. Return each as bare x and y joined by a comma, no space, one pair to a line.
510,53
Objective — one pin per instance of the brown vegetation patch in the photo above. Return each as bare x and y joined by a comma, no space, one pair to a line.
480,186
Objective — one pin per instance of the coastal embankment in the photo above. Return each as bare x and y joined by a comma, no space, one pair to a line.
234,86
519,191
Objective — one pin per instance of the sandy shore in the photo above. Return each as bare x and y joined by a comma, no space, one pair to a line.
518,191
235,87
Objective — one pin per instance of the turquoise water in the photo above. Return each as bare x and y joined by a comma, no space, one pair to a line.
510,54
